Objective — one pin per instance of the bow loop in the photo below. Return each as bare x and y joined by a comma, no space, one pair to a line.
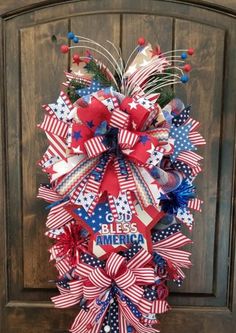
144,276
94,146
114,264
119,119
99,278
83,270
127,139
91,292
140,259
126,280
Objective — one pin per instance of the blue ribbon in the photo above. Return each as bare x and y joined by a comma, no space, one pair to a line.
113,292
123,167
97,172
159,260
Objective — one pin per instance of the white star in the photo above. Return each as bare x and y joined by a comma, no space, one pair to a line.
133,105
151,150
77,150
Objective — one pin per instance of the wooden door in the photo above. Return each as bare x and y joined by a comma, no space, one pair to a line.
32,71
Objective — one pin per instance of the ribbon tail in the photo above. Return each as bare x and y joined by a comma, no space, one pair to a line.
140,259
160,306
122,322
144,195
48,194
134,321
69,297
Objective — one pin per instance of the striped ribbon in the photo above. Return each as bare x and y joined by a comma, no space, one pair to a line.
168,250
94,285
119,119
128,277
95,146
54,126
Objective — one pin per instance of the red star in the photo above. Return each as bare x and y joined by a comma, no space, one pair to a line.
50,170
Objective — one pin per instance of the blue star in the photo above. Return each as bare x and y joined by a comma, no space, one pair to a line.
95,86
143,139
90,124
182,142
77,135
98,215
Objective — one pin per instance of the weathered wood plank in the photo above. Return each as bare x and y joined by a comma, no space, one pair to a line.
101,28
155,30
204,93
41,73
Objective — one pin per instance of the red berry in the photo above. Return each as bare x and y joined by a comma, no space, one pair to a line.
187,68
76,58
141,41
191,51
64,48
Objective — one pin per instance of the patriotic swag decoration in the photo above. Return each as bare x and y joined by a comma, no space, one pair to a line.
121,162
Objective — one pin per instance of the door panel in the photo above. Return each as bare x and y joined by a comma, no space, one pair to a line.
32,70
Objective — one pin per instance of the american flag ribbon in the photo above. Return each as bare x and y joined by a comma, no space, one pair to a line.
63,266
85,320
54,126
58,216
168,249
196,170
119,119
112,103
48,194
112,205
160,306
195,204
130,318
189,157
93,183
69,297
64,101
127,139
196,138
126,182
95,146
194,124
127,203
57,146
143,191
72,76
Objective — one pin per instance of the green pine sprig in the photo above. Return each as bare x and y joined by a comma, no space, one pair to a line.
71,89
98,73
